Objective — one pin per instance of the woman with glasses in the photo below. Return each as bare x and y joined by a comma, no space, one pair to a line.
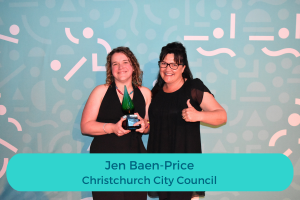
102,114
179,103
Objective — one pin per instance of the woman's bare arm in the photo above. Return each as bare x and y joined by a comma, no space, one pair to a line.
147,96
89,125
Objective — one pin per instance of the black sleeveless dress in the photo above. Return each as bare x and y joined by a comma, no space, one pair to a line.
110,111
169,133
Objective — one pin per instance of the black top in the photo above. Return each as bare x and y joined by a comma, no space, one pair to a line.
169,133
110,111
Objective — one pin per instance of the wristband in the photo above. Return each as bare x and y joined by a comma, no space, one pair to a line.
104,128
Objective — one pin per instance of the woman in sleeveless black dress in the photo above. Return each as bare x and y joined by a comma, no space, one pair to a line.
179,103
102,115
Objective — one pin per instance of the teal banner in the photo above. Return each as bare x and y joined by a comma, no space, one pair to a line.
150,172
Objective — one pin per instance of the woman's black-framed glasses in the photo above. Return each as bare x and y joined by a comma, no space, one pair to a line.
163,64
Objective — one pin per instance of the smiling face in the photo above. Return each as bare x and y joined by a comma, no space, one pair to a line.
170,75
121,67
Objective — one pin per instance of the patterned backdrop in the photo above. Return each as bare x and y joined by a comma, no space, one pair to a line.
53,52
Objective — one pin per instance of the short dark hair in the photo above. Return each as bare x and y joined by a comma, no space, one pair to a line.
180,57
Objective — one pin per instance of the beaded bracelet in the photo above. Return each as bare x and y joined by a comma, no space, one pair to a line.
147,124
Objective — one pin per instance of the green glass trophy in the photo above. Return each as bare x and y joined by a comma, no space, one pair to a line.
128,110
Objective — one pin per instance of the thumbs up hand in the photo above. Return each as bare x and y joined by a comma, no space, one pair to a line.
190,114
188,103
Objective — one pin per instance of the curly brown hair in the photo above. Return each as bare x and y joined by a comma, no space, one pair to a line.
137,73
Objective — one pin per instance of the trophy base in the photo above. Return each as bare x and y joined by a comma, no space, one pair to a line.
130,120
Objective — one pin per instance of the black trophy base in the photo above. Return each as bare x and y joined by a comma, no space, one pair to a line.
129,121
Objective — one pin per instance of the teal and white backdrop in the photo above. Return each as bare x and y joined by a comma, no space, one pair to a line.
52,54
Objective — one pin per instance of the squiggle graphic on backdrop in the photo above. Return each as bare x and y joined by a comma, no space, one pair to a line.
216,52
6,144
280,52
